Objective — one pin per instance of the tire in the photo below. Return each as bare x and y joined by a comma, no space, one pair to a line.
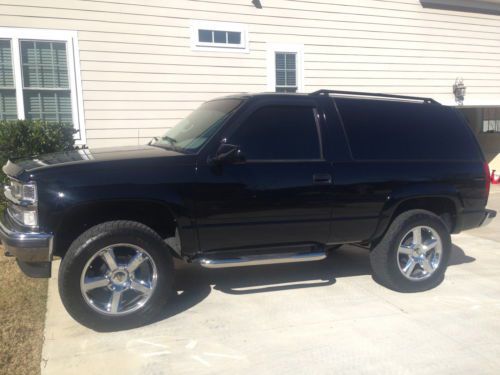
86,255
388,262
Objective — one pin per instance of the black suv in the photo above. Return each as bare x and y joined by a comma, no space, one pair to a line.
249,180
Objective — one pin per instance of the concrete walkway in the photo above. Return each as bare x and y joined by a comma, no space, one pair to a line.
326,317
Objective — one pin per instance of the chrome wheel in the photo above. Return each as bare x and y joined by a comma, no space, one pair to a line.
118,279
419,253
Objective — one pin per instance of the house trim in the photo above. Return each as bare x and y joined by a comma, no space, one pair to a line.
272,48
196,45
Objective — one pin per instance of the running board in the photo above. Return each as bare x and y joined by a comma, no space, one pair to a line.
258,260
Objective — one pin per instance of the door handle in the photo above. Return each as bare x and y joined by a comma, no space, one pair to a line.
322,179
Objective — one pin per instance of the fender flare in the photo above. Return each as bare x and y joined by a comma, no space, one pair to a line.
184,227
405,194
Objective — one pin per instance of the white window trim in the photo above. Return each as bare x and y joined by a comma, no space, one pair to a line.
73,57
196,45
272,48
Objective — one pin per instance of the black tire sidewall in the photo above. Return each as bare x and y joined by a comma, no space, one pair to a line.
86,246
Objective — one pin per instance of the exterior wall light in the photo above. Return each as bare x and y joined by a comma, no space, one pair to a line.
459,91
257,4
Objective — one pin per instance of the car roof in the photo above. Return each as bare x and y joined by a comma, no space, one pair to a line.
340,94
262,95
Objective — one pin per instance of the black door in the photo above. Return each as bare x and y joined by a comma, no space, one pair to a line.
279,195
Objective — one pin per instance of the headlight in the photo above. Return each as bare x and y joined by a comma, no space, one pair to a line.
23,192
24,215
22,202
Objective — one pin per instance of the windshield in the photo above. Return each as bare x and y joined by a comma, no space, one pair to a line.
191,133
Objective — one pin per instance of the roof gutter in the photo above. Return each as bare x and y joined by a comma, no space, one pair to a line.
476,6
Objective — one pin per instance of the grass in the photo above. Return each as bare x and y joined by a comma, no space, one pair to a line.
22,312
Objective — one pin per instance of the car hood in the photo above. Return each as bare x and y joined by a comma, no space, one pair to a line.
84,156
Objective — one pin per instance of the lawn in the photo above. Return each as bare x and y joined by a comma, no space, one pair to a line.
22,311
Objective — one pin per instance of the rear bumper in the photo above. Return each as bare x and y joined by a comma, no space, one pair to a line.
474,219
488,217
33,250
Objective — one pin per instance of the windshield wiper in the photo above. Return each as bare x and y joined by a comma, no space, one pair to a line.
154,139
170,139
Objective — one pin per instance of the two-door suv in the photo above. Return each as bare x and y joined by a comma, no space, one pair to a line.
249,180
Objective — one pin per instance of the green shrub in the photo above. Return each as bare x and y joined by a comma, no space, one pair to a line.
27,138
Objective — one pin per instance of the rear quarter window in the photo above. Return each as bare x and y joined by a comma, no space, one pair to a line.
382,130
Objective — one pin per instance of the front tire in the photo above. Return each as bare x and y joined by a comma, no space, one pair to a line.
116,275
413,254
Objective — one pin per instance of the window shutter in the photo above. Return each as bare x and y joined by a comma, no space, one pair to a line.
8,107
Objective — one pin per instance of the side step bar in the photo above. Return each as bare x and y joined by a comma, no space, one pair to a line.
257,260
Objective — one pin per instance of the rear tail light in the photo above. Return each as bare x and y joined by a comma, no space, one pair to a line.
487,178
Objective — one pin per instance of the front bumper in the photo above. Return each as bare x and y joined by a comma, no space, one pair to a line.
33,250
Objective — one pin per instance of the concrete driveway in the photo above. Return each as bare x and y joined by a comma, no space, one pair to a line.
325,317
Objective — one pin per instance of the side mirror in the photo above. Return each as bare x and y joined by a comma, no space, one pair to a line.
227,153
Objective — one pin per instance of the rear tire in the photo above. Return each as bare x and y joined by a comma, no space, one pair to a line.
116,275
413,254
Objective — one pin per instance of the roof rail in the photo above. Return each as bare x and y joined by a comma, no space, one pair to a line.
376,95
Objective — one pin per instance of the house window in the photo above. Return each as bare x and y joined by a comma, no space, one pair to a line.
219,37
47,94
285,67
491,120
223,36
40,78
286,72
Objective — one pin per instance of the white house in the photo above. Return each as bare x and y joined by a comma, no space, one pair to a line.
122,71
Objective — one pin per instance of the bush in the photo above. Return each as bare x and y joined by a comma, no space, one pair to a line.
27,138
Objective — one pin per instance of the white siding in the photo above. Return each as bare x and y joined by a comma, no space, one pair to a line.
140,76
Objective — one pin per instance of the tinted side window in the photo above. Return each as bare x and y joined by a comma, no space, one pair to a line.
412,131
279,133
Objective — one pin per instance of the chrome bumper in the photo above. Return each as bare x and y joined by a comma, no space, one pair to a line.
33,250
488,217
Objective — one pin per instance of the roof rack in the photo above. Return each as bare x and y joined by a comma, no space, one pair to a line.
376,95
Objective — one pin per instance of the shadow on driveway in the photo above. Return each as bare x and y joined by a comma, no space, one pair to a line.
194,283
